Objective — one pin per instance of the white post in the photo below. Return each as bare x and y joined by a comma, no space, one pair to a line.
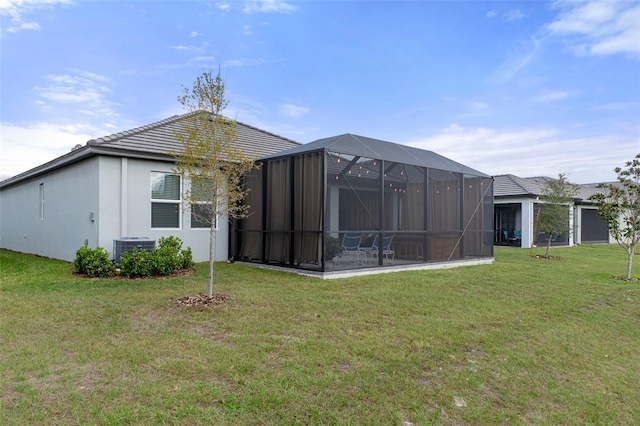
527,223
124,207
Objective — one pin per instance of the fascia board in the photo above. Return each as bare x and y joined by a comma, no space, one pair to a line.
87,151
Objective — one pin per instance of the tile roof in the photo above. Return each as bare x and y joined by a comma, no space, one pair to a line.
588,189
511,185
157,141
160,138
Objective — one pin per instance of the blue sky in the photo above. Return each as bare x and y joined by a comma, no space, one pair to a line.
528,88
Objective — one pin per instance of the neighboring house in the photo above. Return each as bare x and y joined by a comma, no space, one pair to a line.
589,228
117,186
516,204
352,203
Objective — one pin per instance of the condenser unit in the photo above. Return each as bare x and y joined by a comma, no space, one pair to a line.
127,244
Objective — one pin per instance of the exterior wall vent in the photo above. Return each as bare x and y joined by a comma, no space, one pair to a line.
127,244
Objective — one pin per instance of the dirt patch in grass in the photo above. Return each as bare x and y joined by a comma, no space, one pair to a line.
202,300
632,279
545,257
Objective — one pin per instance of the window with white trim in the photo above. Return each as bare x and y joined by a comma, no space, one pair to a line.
166,198
201,214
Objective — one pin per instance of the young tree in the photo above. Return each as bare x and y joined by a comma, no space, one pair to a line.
210,162
557,196
619,205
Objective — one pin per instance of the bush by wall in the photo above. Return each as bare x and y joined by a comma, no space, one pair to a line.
167,258
136,264
93,262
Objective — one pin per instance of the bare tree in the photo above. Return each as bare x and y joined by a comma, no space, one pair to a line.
210,162
557,196
619,205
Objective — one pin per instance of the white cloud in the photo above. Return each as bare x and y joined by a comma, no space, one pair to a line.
599,28
242,62
223,6
19,26
293,111
479,106
17,9
202,59
194,34
616,106
277,6
583,17
533,152
186,48
517,61
513,15
88,90
508,16
552,96
94,76
588,28
27,146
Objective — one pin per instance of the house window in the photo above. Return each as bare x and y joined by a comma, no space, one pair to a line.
42,201
201,214
166,198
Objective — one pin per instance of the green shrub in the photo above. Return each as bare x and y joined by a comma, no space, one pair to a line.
170,244
81,258
136,264
166,257
186,259
334,247
164,260
93,262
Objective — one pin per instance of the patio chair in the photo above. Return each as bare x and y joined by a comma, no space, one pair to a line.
367,252
518,236
386,248
351,246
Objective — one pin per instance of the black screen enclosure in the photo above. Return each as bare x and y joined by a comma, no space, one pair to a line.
351,202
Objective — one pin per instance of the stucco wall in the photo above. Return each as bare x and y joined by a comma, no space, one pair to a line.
70,195
96,200
127,183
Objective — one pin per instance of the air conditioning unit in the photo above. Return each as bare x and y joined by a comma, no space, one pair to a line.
127,244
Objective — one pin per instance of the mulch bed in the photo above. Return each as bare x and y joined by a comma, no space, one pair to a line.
202,300
118,276
542,256
625,278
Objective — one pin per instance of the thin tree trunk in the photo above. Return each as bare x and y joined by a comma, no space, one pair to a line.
548,245
630,253
212,258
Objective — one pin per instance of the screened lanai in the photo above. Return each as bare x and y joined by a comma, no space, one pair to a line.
350,202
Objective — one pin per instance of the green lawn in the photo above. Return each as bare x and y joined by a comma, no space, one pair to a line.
522,341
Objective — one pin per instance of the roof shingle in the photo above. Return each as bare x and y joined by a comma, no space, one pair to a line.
156,140
160,138
511,185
